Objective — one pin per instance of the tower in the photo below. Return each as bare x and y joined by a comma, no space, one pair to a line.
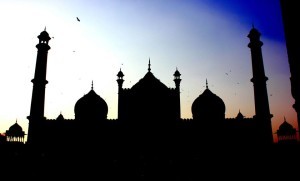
120,81
290,15
36,117
262,110
177,81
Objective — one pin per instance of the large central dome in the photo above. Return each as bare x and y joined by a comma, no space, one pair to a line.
91,107
149,83
208,106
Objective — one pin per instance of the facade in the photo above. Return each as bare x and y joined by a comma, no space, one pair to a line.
149,140
149,112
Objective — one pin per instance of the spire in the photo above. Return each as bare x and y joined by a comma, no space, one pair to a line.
45,28
206,84
92,85
149,69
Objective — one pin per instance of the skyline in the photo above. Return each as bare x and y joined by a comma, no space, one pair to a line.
205,40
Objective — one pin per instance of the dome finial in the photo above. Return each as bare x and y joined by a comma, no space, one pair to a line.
206,84
92,85
149,69
45,28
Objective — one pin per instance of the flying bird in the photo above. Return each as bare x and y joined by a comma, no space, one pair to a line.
78,19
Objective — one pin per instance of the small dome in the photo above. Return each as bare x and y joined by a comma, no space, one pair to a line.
177,73
240,116
15,130
44,36
91,107
286,129
208,105
60,117
254,33
120,74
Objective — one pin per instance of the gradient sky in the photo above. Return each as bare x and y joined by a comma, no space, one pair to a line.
204,39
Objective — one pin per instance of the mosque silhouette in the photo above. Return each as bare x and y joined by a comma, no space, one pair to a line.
149,139
148,112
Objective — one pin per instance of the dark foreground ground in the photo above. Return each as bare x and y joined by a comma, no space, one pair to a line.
202,162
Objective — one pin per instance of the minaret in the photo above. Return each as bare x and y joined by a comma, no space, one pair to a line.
120,81
262,110
290,17
177,81
36,117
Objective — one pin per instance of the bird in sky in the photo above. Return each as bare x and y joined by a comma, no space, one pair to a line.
78,19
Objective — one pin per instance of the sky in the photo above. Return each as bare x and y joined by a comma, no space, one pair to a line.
204,39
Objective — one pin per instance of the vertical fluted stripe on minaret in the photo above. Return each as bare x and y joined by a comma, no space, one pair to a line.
36,116
262,110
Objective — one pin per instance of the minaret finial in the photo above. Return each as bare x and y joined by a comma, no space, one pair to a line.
206,84
252,25
92,85
45,28
149,69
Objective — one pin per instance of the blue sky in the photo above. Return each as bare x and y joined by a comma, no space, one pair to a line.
204,39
